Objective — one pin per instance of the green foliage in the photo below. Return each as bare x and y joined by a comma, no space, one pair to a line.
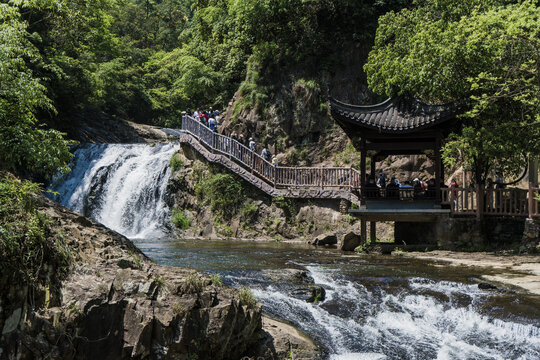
217,280
482,56
247,298
27,243
180,219
25,145
193,284
176,163
286,204
249,212
222,191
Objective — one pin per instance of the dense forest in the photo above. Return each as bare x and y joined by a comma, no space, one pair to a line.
148,60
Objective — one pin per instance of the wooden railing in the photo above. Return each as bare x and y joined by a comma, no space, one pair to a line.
491,202
278,176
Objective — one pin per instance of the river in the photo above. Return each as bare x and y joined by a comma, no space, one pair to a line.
376,307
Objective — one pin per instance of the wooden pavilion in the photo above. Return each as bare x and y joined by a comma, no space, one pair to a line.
397,126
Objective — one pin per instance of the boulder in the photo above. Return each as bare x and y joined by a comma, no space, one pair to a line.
325,239
313,293
349,241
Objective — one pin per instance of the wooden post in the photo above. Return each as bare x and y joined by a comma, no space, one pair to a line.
479,201
531,200
373,232
363,169
438,170
363,231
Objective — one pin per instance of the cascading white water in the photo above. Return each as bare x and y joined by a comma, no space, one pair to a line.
427,321
121,186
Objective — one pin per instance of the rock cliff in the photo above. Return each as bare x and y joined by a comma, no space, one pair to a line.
117,304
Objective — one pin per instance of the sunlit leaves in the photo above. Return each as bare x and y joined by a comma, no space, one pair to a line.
481,55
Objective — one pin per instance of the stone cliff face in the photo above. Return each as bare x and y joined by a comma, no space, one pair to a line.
117,304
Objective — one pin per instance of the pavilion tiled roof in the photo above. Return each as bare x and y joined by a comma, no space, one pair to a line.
394,115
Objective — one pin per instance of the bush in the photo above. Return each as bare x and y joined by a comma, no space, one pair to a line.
247,298
223,192
180,219
176,163
27,243
249,212
286,204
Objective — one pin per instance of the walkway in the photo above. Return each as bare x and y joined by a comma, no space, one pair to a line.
344,183
291,182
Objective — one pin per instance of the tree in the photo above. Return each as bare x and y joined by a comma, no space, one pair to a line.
25,146
483,56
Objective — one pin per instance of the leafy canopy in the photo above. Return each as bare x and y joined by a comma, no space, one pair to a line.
25,146
483,56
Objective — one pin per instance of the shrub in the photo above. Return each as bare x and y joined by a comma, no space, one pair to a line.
180,219
247,298
223,192
216,280
286,204
249,212
176,163
193,284
27,242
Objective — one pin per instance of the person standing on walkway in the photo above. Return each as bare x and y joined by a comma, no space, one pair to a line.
252,145
274,160
265,153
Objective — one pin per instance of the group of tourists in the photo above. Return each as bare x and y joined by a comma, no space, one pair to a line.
252,145
210,118
393,188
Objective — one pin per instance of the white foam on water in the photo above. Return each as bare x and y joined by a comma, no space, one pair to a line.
122,186
410,324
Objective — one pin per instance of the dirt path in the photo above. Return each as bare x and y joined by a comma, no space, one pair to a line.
521,271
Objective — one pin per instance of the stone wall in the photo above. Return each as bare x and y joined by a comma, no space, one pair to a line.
463,233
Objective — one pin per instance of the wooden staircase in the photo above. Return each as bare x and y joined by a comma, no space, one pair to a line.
290,182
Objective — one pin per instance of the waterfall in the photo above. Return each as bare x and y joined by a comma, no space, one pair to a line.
121,186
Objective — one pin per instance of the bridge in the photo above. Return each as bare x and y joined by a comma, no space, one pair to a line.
346,183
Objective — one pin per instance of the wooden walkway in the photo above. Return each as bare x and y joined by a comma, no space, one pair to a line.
345,182
291,182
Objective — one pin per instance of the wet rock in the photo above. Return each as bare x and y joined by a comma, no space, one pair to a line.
289,275
314,293
349,241
325,239
282,341
487,286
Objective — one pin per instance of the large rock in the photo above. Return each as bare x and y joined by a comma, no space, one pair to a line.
282,341
116,304
350,241
325,239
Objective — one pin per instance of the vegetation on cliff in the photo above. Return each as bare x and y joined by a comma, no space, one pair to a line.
27,243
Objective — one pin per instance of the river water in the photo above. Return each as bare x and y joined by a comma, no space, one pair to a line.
375,307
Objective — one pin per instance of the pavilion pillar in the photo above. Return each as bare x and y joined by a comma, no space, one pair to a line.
439,176
363,169
372,224
373,232
533,170
363,231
